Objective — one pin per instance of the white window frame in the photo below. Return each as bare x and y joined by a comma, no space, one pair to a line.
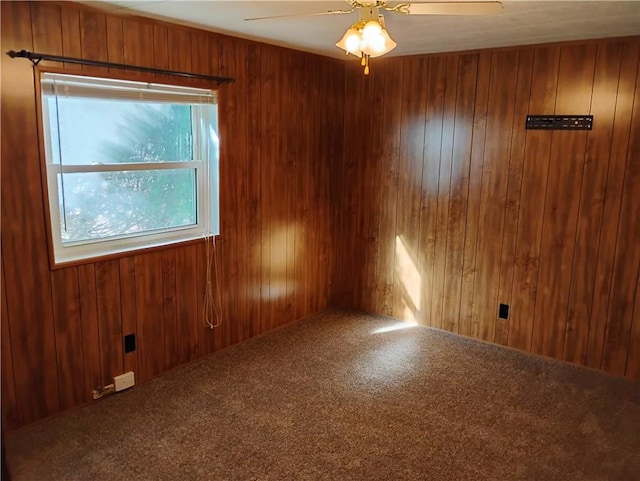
205,170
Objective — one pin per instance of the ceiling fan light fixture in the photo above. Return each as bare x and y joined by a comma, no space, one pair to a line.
367,39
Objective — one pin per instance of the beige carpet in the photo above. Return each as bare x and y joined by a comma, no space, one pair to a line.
343,396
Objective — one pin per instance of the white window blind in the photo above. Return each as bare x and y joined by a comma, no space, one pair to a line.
64,85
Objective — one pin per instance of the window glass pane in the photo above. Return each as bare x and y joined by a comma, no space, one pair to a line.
100,131
107,204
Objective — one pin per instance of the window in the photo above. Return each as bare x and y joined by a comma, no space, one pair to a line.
128,164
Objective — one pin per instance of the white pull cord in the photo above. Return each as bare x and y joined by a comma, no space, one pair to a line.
212,306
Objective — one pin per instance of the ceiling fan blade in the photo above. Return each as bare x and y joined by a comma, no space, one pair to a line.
328,12
455,8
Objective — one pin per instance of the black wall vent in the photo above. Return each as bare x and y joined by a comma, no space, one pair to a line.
559,122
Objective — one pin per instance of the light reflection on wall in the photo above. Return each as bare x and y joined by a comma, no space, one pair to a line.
411,281
287,245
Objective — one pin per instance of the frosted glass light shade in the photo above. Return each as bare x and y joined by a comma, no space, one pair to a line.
389,45
350,42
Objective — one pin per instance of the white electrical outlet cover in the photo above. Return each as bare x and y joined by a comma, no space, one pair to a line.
124,381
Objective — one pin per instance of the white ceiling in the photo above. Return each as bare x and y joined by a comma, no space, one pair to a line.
521,23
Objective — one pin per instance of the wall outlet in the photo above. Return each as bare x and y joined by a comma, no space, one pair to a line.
124,381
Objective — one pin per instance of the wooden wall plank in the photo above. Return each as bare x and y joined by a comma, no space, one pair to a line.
434,120
493,190
459,191
10,415
611,211
90,329
93,39
566,165
24,251
633,359
514,189
475,183
388,185
46,32
255,287
443,192
228,191
407,279
115,41
149,315
535,171
138,43
128,309
109,319
373,241
188,302
592,199
70,28
69,345
169,308
627,257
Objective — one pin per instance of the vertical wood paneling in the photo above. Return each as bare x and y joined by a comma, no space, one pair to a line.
93,38
624,101
70,27
255,288
109,319
228,192
169,309
538,220
138,43
277,224
128,309
514,189
90,328
47,35
388,185
627,257
425,258
149,315
575,83
10,417
633,359
68,328
24,248
493,190
458,191
115,41
443,191
592,197
475,182
406,278
534,186
188,298
373,245
240,328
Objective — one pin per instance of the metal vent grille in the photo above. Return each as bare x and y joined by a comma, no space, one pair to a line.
559,122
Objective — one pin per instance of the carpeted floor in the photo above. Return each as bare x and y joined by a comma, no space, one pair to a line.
345,396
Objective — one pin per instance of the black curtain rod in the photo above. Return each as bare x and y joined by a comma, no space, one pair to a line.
37,57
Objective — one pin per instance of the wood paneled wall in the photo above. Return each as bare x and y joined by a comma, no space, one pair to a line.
451,207
281,126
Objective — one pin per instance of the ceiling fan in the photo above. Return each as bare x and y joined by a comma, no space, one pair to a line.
368,37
